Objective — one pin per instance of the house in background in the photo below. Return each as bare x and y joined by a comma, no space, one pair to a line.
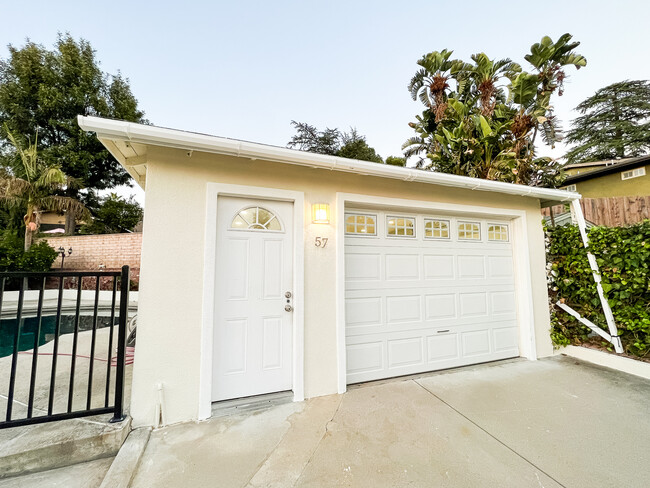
302,272
615,192
604,179
52,222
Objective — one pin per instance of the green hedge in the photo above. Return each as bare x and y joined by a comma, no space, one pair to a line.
14,258
623,255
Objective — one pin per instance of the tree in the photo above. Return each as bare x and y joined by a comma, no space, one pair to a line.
332,141
43,91
114,215
396,161
309,138
615,123
354,146
32,184
481,119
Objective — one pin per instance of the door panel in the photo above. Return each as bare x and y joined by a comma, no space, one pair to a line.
252,333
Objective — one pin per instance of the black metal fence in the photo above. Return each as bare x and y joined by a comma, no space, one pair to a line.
58,318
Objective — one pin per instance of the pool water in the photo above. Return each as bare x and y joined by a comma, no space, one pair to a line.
29,328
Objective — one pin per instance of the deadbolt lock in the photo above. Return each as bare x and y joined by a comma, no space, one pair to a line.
287,294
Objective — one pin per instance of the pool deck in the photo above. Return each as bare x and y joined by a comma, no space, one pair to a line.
62,376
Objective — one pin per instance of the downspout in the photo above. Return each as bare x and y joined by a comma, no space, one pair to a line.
578,217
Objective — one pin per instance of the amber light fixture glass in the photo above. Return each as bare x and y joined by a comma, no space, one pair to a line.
320,213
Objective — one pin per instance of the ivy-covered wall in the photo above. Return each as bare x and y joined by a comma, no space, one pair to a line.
623,255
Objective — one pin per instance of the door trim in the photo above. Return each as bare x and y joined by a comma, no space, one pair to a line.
520,253
213,191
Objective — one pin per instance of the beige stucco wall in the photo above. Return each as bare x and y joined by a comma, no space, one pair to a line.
170,301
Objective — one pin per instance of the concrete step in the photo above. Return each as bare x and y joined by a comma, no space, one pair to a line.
41,447
83,475
125,464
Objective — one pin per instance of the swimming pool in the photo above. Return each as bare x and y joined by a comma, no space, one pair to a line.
29,329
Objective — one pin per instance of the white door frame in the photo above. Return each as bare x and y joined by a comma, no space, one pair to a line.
215,190
520,252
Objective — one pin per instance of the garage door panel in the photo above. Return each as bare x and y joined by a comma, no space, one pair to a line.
362,266
405,352
500,267
439,267
506,339
375,332
440,306
443,347
426,286
502,303
421,304
363,312
401,309
471,267
473,304
475,343
402,267
365,357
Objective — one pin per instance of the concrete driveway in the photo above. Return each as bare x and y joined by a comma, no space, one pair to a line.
550,423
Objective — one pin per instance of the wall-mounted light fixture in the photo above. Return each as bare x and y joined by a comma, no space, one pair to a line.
320,213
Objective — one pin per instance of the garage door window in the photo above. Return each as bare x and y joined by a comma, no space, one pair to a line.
469,231
400,226
497,232
436,229
361,224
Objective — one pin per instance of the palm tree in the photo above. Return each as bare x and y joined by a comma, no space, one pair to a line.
32,184
429,83
486,73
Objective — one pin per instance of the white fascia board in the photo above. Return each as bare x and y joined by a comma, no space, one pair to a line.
157,136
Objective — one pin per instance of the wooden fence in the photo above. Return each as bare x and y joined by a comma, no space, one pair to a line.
612,212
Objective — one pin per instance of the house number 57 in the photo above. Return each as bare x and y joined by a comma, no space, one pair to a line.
321,241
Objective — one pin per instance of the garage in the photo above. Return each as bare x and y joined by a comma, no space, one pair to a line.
425,292
306,272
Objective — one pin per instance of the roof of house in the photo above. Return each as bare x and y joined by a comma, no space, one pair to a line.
589,164
565,218
128,143
622,165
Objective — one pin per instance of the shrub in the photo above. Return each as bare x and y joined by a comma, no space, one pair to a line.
623,255
13,257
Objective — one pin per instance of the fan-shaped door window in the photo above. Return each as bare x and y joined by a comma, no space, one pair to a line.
256,218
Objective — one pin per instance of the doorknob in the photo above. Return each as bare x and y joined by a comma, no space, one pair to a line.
288,308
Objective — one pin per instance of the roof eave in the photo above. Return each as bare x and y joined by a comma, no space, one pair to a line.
115,130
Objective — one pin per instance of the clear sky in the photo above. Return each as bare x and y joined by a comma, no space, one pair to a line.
245,69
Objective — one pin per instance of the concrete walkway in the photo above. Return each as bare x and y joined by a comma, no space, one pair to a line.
550,423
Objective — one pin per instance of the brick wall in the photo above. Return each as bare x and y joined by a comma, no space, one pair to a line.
102,251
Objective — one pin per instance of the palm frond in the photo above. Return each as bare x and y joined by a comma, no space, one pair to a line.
51,177
57,203
14,187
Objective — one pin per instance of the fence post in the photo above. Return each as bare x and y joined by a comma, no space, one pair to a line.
125,284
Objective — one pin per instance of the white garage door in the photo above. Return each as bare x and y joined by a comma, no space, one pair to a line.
426,292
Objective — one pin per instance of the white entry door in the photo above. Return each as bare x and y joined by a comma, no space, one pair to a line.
253,330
